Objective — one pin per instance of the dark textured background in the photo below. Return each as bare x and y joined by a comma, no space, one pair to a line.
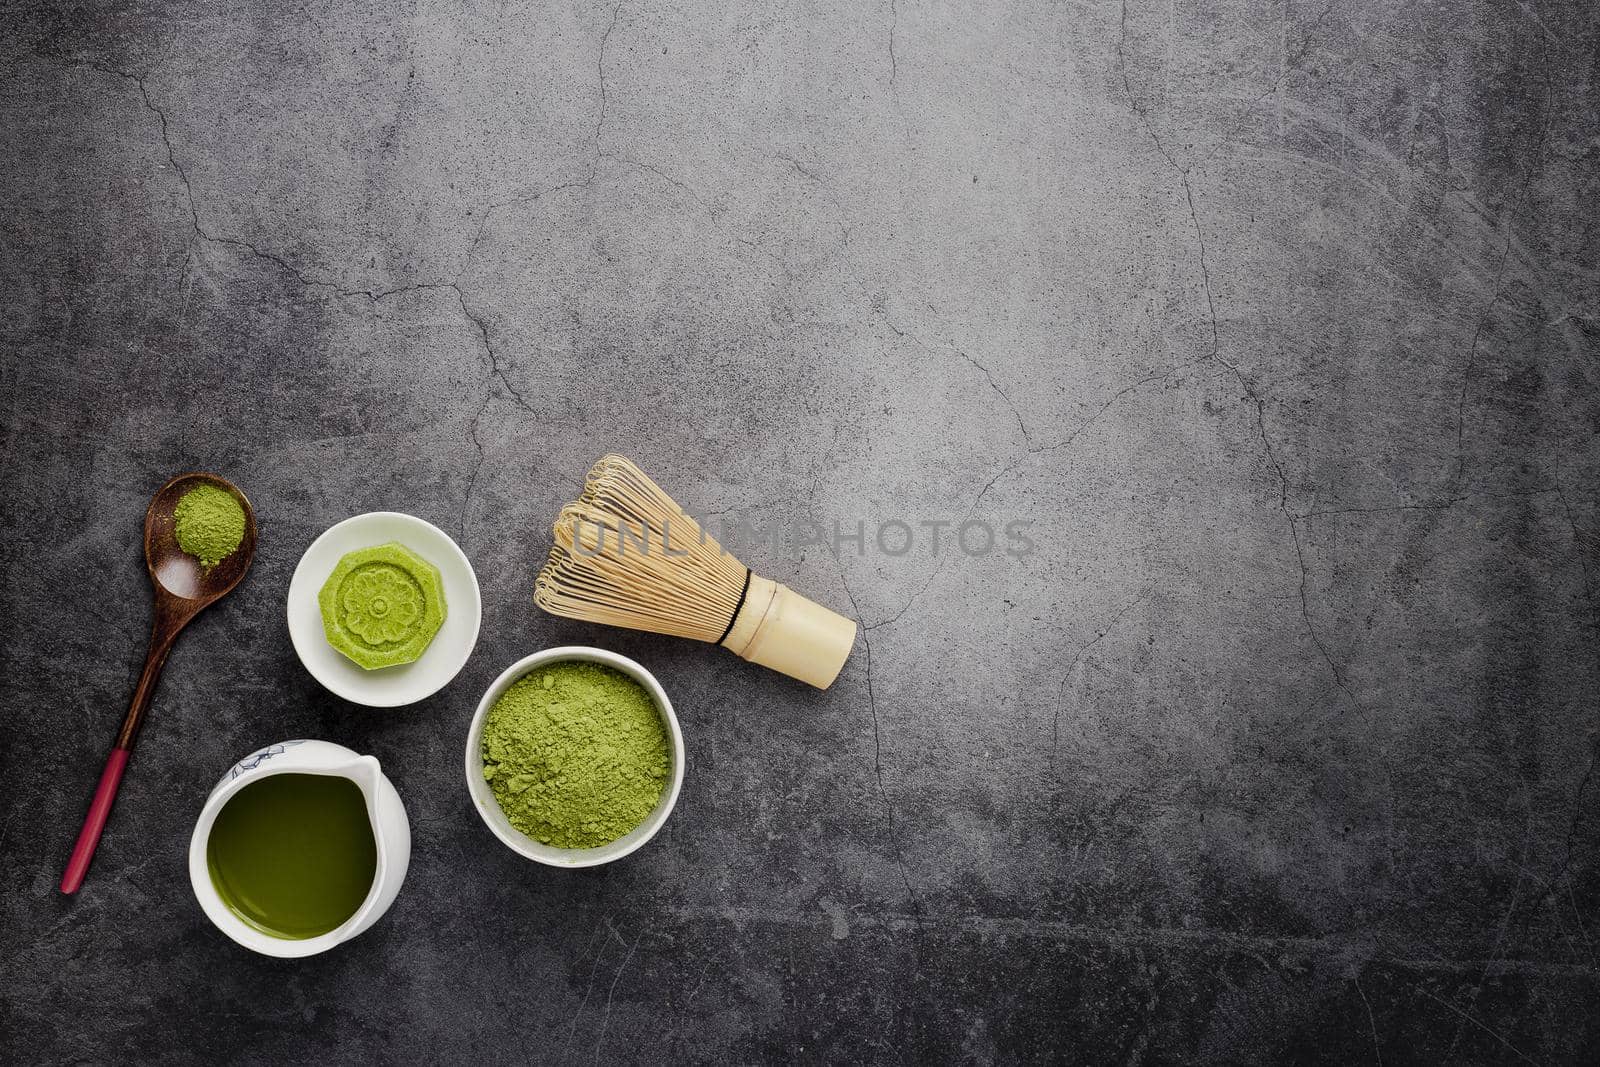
1281,320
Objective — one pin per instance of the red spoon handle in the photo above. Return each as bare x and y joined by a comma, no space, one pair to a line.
168,622
99,810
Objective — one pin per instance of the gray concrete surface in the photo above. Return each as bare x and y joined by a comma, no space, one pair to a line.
1278,320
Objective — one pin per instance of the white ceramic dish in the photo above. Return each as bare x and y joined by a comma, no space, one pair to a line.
391,833
489,809
387,687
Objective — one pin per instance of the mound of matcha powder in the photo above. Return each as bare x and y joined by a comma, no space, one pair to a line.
209,524
576,754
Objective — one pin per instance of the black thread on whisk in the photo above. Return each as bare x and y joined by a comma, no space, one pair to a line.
736,607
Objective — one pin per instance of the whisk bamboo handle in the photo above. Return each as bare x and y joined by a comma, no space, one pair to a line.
778,628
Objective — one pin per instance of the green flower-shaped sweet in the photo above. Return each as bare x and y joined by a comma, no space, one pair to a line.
382,606
380,603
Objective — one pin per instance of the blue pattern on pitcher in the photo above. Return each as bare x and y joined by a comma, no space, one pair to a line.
256,759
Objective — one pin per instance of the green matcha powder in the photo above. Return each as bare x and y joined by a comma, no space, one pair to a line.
576,754
210,524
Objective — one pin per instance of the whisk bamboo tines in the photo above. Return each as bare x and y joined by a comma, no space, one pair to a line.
626,554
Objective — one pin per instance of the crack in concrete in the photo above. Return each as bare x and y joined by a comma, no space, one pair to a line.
1305,613
700,202
1027,438
877,760
600,70
208,237
804,171
1577,803
1581,542
1030,449
1061,694
1110,402
1133,100
494,370
1497,292
894,64
1290,63
1160,376
1255,399
923,588
529,198
1503,224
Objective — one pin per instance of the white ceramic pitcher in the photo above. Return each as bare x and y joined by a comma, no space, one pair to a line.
390,831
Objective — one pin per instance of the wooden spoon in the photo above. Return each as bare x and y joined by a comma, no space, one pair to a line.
183,589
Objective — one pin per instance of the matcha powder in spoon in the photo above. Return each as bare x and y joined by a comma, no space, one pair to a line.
576,754
209,524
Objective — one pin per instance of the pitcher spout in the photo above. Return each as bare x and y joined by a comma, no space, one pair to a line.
366,772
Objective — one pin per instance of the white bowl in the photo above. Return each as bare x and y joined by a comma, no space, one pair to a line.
387,687
489,808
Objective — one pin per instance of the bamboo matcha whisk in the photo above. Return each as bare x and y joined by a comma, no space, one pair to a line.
626,554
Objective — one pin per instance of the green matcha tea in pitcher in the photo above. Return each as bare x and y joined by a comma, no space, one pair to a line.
294,855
